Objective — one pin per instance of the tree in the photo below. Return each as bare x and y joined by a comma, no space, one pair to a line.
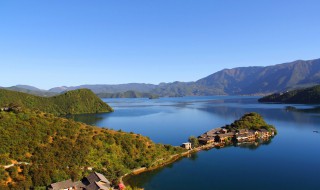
194,141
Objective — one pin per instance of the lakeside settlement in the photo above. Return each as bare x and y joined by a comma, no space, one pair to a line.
250,127
222,136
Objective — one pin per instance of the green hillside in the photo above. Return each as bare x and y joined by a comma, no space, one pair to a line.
251,121
71,102
57,149
303,96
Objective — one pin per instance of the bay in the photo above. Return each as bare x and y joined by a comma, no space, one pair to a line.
291,160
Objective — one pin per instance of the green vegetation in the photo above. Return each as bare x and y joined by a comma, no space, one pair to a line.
58,149
194,141
251,121
302,96
71,102
127,94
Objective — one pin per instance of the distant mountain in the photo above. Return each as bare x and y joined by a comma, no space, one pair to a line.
302,96
127,94
105,88
248,80
262,80
27,87
236,81
58,89
30,90
71,102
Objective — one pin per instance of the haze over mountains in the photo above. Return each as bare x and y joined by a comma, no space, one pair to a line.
236,81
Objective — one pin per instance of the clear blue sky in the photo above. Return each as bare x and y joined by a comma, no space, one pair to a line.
73,42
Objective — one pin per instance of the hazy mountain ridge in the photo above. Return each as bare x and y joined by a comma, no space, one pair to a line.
106,88
235,81
30,90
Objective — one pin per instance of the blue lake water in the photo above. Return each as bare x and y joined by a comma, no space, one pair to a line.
290,161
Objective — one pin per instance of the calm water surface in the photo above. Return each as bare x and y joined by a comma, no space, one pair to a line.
290,161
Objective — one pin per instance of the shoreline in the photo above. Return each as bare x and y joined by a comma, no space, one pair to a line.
171,159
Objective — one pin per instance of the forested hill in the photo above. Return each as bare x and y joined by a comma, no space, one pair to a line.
251,121
55,149
71,102
303,96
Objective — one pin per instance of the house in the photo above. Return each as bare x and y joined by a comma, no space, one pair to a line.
213,132
224,137
63,185
264,133
95,181
257,133
241,137
186,145
251,136
206,140
97,186
223,131
242,131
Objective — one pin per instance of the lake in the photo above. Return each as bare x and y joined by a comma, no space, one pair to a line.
291,160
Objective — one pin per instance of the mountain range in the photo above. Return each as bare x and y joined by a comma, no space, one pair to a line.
254,80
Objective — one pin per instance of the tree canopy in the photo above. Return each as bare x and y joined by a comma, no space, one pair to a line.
302,96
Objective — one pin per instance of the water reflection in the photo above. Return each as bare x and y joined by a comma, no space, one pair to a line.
254,145
313,110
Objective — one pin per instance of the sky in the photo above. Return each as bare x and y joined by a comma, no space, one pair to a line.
55,43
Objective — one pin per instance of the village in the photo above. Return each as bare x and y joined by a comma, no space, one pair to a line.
222,136
219,137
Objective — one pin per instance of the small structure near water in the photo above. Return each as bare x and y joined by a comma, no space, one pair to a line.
186,145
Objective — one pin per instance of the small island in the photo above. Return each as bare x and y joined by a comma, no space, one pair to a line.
302,96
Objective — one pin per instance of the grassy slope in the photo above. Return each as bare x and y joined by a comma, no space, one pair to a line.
59,148
72,102
304,96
